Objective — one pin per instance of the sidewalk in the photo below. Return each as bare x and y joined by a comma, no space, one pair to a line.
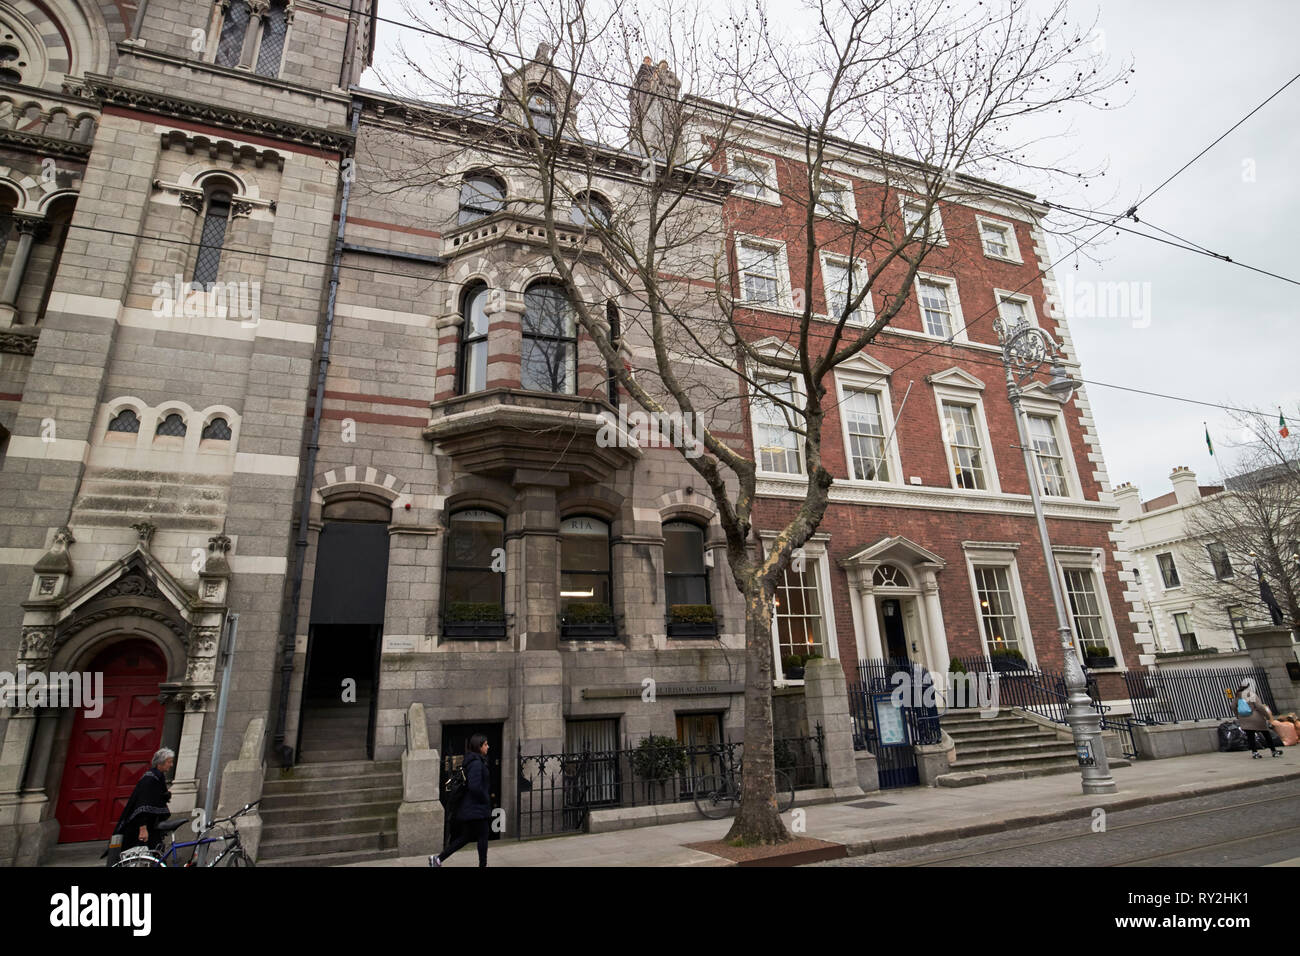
893,819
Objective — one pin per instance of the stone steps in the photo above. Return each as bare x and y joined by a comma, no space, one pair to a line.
1005,747
331,813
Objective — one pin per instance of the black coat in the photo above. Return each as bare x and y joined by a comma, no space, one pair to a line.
477,804
147,807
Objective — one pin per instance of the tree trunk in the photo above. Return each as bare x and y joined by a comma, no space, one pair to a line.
757,821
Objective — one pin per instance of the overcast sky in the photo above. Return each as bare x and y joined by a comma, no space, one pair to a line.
1194,327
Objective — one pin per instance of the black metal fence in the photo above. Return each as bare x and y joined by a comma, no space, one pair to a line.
557,791
1199,693
1022,685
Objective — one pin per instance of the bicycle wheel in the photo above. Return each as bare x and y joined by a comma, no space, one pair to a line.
237,857
714,799
138,856
784,791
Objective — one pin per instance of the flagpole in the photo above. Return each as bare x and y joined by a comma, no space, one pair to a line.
1210,445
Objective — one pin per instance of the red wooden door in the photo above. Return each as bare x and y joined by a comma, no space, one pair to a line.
108,753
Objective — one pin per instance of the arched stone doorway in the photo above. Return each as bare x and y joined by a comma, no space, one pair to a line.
108,753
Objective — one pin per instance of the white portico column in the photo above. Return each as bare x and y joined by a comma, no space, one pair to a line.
855,608
869,616
934,618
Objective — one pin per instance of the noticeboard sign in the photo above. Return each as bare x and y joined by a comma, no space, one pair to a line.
891,728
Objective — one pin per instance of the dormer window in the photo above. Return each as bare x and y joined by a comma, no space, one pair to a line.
541,113
481,195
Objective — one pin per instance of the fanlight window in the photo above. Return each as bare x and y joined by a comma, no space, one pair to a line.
889,576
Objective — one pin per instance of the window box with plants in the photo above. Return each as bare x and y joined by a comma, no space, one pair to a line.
473,619
692,620
1098,657
592,621
794,665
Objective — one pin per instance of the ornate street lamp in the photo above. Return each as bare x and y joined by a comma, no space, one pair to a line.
1025,349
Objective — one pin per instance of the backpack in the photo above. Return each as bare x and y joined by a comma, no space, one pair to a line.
1243,707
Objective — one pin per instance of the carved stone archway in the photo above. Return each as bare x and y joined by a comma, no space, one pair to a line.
135,596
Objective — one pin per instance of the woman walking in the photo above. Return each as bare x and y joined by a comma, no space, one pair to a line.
476,808
147,807
1256,723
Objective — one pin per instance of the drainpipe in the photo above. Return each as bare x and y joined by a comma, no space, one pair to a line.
289,635
138,25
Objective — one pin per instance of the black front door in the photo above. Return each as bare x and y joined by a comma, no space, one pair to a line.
455,737
891,618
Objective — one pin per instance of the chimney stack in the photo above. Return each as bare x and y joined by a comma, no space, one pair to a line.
1186,490
1129,500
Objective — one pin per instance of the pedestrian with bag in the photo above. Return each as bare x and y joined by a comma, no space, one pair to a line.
147,807
475,804
1255,718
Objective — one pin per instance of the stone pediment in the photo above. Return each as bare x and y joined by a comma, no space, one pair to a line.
134,584
956,378
895,548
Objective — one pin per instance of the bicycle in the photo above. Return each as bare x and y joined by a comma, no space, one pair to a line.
718,802
232,854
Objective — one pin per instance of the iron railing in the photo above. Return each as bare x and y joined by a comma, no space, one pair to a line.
877,676
557,791
1201,693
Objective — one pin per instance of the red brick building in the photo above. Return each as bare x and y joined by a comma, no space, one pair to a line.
929,548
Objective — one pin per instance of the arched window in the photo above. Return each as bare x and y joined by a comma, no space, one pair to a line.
481,195
471,374
589,209
215,218
231,45
218,430
550,341
541,110
125,421
686,580
586,585
173,426
275,25
473,593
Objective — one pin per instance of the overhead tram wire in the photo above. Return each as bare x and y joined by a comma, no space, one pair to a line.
1187,245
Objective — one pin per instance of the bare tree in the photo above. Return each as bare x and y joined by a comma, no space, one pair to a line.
940,97
1252,527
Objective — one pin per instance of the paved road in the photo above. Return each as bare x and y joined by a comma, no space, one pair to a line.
1255,827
